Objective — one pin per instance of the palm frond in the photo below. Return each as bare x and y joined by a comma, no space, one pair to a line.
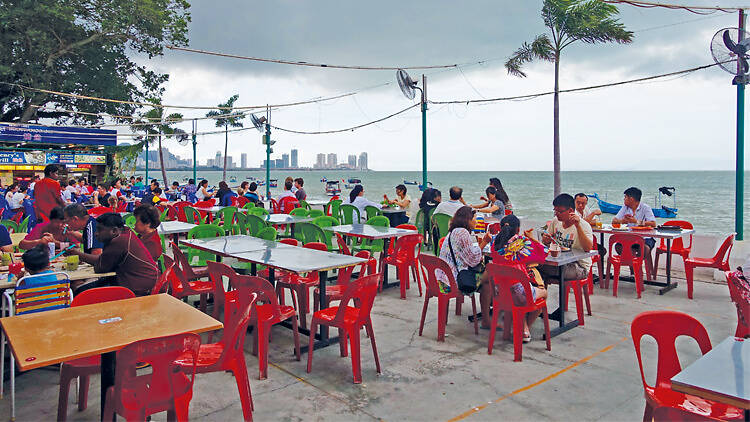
541,49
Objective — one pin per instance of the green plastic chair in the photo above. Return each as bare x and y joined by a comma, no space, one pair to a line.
372,211
348,214
373,245
249,205
305,205
315,213
440,222
129,220
241,221
24,226
197,257
254,224
326,221
257,211
11,225
420,223
267,233
226,215
164,214
191,214
310,233
333,208
299,212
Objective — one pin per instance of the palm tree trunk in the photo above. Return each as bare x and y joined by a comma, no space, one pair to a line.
556,128
226,144
161,163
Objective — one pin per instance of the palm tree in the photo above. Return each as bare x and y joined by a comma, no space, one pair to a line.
226,117
589,21
160,126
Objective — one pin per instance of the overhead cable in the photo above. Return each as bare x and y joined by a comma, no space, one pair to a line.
698,10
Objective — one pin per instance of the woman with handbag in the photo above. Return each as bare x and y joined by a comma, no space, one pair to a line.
463,253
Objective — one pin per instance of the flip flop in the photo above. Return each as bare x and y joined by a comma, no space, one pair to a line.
526,337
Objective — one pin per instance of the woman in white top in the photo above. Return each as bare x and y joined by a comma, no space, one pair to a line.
357,198
202,193
403,201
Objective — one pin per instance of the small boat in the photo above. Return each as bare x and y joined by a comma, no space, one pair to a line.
429,184
661,211
348,186
273,183
323,180
354,181
406,182
233,179
332,187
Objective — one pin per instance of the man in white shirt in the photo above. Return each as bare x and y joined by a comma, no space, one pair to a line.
634,212
288,184
569,231
451,206
584,211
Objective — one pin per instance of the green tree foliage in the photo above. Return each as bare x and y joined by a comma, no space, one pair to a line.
160,125
569,21
226,117
83,47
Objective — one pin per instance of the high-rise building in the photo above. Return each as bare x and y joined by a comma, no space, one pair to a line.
279,163
243,160
331,162
363,161
285,160
230,162
295,158
352,161
209,162
320,161
219,160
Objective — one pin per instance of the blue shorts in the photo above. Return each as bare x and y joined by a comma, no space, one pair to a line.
519,294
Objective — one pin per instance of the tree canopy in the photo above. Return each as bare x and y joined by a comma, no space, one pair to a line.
84,47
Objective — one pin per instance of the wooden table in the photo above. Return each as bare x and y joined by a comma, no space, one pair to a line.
668,235
366,231
722,375
47,338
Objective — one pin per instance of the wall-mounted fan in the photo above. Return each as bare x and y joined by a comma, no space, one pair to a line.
258,122
731,53
182,137
406,83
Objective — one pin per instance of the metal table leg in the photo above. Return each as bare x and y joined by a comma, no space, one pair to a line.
669,285
108,377
322,339
563,327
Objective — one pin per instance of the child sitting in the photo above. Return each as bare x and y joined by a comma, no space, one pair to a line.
36,262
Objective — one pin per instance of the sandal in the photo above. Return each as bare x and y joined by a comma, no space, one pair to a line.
526,337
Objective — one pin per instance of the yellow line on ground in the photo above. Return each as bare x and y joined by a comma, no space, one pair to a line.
540,382
708,314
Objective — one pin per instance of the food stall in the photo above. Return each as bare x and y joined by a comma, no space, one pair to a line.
26,149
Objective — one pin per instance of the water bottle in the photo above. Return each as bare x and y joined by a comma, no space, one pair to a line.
51,246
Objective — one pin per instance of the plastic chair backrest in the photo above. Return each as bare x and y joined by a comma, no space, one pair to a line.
665,327
493,228
192,215
326,221
129,220
180,207
343,248
254,223
380,220
267,233
204,204
11,225
407,226
310,232
305,205
122,206
166,380
315,213
203,231
258,211
242,201
345,274
287,204
248,205
300,212
333,208
677,244
406,246
166,278
722,255
505,277
371,211
275,209
739,292
430,264
97,211
362,291
350,214
626,241
241,222
24,226
291,242
42,292
263,289
318,246
227,215
102,294
442,222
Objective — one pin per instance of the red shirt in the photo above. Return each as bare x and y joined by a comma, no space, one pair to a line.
152,242
47,196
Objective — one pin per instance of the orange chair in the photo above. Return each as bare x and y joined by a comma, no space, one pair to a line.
677,247
167,387
405,257
301,285
665,327
83,368
349,320
626,257
720,261
504,277
336,292
739,291
429,264
227,354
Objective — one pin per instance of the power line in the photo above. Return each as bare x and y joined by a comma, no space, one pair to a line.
308,64
698,10
325,132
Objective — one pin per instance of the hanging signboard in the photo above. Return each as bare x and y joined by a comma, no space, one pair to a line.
37,134
42,158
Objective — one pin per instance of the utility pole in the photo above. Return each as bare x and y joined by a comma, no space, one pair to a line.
740,159
268,152
195,159
424,132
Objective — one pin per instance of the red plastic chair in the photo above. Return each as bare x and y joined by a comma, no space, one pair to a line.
493,228
429,265
181,286
205,215
275,209
180,207
504,277
233,201
227,354
677,247
581,289
287,204
265,316
97,211
85,367
597,260
349,320
17,217
301,285
241,201
739,291
341,243
279,274
720,261
665,327
192,273
336,292
167,387
122,206
405,257
392,242
627,257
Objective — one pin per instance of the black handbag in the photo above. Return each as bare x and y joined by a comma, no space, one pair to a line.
466,279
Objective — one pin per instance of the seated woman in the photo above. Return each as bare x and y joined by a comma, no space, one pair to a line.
202,193
526,253
54,231
357,198
493,204
189,190
224,193
146,223
251,193
501,194
461,250
243,188
403,201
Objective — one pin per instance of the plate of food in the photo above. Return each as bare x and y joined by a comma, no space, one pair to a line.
642,228
620,228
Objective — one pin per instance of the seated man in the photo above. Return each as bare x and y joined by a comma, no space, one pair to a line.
146,222
584,211
83,227
54,231
633,213
452,205
288,185
568,230
124,254
100,197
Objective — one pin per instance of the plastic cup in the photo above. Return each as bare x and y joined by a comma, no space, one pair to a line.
71,262
554,250
5,258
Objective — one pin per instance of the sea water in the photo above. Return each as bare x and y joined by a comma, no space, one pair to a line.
704,198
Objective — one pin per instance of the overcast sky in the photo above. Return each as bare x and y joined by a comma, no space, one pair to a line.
680,123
